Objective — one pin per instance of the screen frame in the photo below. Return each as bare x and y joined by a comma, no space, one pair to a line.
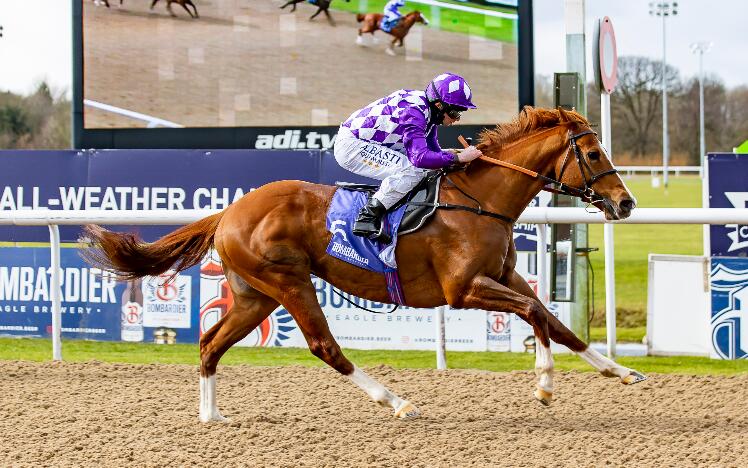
246,137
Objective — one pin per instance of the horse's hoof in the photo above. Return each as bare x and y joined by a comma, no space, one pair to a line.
389,52
407,410
212,416
543,397
633,377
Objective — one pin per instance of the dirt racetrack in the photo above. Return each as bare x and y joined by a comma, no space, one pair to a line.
96,414
249,63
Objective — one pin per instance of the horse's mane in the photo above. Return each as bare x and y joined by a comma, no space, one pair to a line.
530,119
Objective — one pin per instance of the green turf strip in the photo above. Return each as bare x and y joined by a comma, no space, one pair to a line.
31,349
634,243
499,29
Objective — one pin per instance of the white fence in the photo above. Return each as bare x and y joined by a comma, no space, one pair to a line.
540,216
677,170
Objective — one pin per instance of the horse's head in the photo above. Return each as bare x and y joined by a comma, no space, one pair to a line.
585,166
418,17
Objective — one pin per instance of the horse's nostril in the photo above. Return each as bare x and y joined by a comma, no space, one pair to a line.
627,205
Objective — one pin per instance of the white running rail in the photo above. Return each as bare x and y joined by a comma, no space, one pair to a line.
152,121
541,216
677,170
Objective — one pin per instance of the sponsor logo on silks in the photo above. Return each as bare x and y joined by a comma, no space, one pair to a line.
349,252
294,139
739,235
730,324
336,228
216,300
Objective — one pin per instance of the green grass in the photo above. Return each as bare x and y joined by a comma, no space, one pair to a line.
633,244
499,29
623,334
31,349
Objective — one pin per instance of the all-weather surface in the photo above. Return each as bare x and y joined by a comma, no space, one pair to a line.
96,414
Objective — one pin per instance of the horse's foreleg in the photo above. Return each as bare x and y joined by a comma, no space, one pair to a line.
301,302
184,5
189,2
153,4
319,10
249,310
485,293
389,50
562,335
329,17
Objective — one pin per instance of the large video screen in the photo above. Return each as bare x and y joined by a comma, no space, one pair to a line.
247,63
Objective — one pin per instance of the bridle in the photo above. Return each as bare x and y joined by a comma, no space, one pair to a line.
585,193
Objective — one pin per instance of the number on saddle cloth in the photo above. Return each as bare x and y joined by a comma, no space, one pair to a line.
388,25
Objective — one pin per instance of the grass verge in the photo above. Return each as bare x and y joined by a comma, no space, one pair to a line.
31,349
463,22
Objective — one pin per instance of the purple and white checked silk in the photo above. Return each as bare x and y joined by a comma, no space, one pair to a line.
400,122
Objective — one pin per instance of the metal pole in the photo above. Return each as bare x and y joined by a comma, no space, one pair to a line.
541,264
665,142
610,267
54,252
441,348
701,108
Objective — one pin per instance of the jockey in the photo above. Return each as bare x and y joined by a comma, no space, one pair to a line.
394,140
392,14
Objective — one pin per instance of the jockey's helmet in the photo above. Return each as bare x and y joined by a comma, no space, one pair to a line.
450,89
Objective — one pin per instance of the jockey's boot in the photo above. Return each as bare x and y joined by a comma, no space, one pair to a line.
369,222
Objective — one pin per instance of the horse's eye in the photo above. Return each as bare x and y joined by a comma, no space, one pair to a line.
594,155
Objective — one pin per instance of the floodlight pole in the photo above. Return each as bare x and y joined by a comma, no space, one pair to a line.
664,9
701,48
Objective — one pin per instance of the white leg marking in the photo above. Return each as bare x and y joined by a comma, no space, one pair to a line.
389,51
544,367
374,389
380,394
208,407
605,366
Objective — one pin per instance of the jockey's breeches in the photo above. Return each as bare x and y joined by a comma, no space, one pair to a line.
368,159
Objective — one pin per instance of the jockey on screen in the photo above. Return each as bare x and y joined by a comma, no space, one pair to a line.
391,14
394,140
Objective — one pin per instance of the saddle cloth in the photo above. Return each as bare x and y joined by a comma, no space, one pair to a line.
388,25
403,218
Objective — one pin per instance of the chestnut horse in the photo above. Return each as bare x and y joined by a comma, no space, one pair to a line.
322,6
274,238
371,22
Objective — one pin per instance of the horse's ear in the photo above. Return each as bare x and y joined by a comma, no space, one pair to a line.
563,116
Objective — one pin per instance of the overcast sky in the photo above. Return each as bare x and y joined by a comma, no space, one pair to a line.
36,42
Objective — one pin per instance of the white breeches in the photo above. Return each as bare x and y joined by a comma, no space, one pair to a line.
393,168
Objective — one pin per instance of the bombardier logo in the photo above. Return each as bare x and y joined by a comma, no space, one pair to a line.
293,139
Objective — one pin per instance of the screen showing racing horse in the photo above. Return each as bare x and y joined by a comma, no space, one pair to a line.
268,63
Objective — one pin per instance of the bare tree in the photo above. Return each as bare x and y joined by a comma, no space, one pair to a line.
637,100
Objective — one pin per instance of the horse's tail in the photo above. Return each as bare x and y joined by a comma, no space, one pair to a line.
360,17
128,257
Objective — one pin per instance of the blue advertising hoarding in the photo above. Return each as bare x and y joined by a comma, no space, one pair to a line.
729,318
94,304
728,188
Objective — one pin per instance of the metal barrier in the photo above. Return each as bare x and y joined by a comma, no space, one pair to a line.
677,170
539,216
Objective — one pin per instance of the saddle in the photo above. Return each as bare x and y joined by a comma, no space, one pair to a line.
421,201
388,25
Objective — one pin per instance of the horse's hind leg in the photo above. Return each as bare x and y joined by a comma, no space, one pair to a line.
319,10
249,310
153,4
329,17
301,302
562,335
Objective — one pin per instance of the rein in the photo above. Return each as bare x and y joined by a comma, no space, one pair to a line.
586,194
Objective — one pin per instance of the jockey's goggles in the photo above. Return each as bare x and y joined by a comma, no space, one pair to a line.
454,111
